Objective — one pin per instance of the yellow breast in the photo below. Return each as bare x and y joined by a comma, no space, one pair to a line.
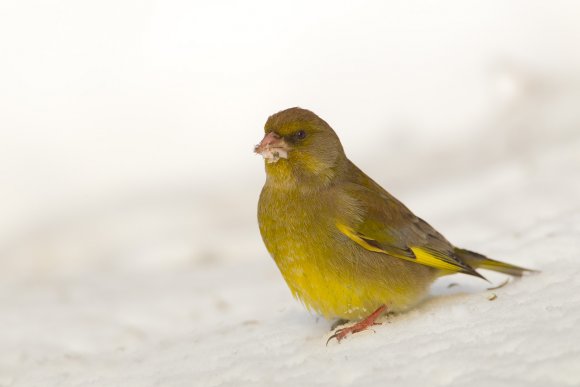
329,273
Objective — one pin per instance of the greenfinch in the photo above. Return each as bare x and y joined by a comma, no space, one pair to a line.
346,247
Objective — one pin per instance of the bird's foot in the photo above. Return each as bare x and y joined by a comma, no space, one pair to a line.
360,326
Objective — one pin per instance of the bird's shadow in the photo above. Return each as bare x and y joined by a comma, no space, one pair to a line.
446,288
465,284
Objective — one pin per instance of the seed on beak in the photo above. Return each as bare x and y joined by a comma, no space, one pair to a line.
272,147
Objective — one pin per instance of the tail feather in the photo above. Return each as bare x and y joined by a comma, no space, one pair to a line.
478,261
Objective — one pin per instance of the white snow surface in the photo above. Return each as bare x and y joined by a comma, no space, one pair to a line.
224,317
129,245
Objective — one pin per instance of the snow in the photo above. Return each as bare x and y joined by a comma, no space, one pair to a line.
129,246
228,318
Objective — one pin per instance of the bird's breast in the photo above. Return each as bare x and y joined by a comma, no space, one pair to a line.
312,255
322,267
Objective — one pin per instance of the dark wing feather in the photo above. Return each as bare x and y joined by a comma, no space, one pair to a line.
387,226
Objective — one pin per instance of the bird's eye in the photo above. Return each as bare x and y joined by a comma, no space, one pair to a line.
300,135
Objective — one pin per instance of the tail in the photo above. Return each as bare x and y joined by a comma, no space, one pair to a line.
478,261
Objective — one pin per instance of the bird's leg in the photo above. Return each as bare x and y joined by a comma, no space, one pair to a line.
360,326
338,323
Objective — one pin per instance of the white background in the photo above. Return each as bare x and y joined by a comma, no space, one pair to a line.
126,173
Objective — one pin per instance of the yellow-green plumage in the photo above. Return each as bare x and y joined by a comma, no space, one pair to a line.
344,245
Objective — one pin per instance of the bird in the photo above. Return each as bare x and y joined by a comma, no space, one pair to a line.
347,248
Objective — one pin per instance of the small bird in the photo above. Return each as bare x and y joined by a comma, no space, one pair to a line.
347,248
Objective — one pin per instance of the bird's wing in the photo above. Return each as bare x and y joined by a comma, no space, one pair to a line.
386,226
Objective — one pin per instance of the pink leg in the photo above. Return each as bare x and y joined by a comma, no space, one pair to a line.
359,326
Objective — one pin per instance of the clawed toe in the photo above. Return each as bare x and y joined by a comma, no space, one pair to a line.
360,326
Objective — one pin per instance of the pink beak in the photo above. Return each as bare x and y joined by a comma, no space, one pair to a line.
270,140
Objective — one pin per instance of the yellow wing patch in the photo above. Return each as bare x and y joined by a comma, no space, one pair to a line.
352,234
420,255
429,258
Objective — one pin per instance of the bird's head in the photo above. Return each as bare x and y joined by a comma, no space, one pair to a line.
300,147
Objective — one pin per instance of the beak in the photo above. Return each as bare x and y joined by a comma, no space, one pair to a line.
272,147
270,140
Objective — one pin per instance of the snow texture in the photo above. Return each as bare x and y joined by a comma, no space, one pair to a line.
129,245
228,319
